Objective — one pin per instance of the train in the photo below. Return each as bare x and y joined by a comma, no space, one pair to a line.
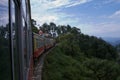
22,45
41,44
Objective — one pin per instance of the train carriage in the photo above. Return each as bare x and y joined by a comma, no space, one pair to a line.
39,47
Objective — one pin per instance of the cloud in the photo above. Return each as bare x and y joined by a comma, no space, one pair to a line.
115,14
3,12
3,19
51,11
3,3
105,29
51,4
74,3
102,3
56,17
111,1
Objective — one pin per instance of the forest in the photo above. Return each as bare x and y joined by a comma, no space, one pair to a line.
80,57
5,64
76,57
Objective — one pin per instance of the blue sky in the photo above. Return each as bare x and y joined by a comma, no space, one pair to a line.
3,12
100,18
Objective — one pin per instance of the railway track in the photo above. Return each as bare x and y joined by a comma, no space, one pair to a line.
39,65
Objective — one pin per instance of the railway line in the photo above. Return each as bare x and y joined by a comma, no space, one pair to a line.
37,74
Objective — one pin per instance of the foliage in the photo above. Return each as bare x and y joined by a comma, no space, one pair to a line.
94,47
60,29
5,68
34,28
81,57
101,69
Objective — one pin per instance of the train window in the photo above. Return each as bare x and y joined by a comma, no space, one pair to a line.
5,64
15,54
25,44
24,8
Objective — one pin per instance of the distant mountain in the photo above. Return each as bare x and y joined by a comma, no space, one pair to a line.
112,41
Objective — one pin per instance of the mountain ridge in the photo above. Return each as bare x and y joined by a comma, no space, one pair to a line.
113,41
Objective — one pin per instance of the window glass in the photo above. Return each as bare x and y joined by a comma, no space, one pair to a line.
25,45
24,9
5,64
15,53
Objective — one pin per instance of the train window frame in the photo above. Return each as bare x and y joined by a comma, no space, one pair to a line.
20,18
19,38
11,39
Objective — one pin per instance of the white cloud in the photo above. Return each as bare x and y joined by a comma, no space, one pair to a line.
115,15
3,2
106,29
49,10
3,12
50,4
74,3
3,19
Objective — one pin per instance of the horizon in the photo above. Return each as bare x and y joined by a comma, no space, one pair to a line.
100,18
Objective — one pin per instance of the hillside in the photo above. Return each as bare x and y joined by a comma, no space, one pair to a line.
81,57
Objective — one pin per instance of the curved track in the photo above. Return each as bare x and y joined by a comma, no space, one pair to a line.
39,65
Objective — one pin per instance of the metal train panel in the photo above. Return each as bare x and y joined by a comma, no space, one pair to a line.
39,47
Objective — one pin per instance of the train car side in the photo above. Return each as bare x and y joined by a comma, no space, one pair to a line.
41,44
39,47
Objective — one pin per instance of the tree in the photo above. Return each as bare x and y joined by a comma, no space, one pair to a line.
98,69
68,28
75,30
45,28
52,26
34,28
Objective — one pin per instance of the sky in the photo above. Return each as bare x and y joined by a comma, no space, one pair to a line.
3,12
99,18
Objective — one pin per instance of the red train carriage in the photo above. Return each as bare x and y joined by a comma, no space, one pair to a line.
39,46
41,43
47,43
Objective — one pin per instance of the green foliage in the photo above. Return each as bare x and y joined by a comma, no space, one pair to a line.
61,67
60,29
34,28
94,47
75,30
102,69
5,66
81,57
45,28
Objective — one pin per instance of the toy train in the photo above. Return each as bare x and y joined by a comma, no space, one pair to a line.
41,44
